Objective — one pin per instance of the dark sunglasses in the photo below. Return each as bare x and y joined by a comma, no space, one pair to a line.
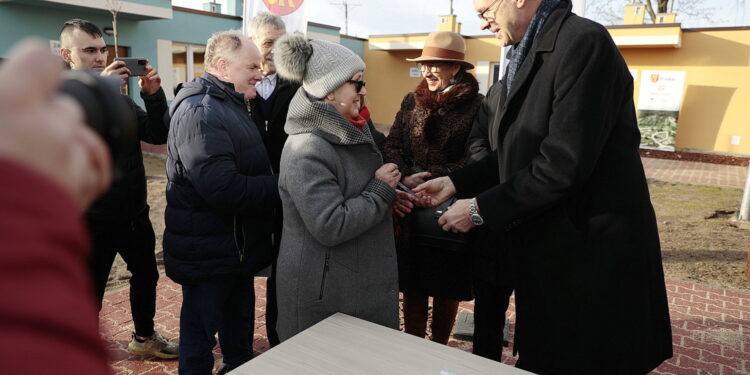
357,84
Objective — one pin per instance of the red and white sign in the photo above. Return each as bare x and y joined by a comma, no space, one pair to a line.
283,7
293,12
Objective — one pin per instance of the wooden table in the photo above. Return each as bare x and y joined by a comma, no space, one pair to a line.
346,345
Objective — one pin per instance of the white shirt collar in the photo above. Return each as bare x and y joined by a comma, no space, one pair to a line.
266,86
270,78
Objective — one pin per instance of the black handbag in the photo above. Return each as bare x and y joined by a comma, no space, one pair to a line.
425,230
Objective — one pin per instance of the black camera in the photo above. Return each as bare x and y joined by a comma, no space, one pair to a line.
106,111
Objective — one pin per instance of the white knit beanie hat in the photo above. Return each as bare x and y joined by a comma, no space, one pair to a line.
321,66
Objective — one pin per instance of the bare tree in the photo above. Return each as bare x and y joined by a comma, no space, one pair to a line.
692,9
603,12
696,10
114,7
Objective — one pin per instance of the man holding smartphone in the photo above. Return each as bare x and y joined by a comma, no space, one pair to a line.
119,221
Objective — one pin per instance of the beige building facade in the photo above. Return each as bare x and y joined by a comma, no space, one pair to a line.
714,102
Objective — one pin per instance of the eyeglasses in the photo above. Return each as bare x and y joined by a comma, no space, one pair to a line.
429,67
481,14
358,84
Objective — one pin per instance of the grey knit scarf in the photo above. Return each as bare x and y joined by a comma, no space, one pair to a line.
522,49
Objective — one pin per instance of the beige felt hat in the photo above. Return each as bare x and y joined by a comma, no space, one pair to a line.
444,46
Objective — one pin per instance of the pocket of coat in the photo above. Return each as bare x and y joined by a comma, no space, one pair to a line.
326,267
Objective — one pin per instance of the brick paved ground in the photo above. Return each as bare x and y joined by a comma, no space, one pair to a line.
711,330
695,173
711,326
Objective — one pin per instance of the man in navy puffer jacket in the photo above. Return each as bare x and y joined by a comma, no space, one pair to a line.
221,196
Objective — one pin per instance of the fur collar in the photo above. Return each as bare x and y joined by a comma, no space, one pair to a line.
430,107
461,93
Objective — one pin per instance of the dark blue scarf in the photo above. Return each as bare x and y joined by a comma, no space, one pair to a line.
520,50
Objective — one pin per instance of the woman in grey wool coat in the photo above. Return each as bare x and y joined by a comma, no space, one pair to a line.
337,249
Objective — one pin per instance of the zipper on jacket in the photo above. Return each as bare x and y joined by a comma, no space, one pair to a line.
325,273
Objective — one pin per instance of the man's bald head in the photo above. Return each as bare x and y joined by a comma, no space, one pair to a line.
234,58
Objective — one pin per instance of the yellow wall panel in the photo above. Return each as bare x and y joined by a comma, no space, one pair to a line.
716,100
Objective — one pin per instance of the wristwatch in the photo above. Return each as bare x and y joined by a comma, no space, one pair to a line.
474,213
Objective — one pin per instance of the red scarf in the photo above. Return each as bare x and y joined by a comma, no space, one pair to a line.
361,120
364,112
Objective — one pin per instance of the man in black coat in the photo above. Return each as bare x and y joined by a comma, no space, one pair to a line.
268,110
119,221
221,195
566,184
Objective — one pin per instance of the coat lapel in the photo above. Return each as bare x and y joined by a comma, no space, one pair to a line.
545,42
499,113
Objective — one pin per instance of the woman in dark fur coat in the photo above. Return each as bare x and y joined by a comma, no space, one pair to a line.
427,140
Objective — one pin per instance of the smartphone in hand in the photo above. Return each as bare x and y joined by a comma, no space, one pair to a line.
136,65
405,189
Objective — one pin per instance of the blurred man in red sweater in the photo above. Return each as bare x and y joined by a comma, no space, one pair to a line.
52,167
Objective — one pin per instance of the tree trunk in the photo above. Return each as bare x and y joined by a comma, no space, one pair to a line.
114,31
650,10
744,215
663,5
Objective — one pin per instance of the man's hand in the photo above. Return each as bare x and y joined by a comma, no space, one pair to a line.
403,204
117,69
434,192
151,82
457,218
44,130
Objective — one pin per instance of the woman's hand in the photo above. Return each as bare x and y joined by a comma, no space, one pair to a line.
416,179
389,174
403,204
